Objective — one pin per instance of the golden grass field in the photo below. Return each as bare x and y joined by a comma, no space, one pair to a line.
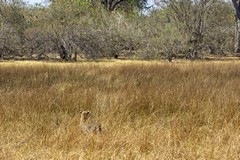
148,110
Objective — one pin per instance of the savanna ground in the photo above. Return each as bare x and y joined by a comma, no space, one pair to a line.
148,110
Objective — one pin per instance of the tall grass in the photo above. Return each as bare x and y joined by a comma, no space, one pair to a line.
148,110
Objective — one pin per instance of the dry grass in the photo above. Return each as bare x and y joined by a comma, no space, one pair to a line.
149,110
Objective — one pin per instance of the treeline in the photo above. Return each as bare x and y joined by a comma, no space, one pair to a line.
92,29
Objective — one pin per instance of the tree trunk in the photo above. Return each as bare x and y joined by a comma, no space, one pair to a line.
75,56
111,5
64,53
1,56
237,28
237,37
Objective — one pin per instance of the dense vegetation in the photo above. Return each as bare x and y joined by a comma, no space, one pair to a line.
93,29
148,110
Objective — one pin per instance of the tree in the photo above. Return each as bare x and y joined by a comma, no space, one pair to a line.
12,27
189,17
112,5
236,5
196,21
